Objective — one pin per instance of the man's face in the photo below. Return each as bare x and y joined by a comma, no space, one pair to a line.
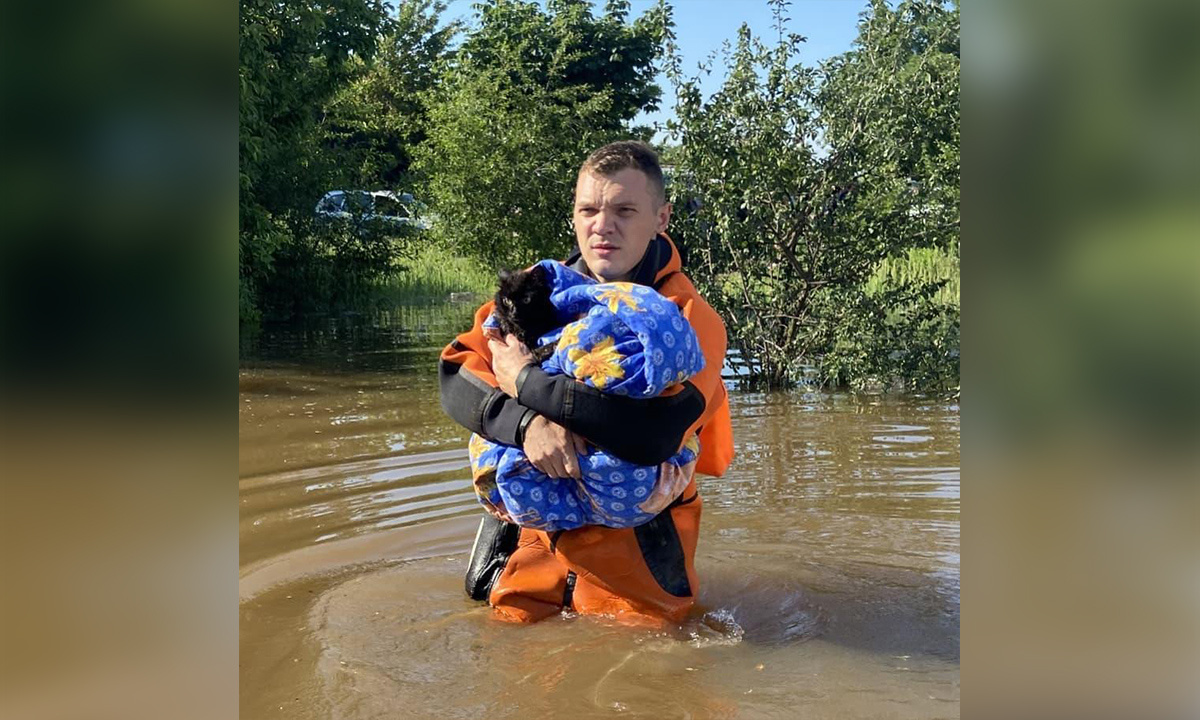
616,217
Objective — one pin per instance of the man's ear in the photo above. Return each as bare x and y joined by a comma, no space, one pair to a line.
664,217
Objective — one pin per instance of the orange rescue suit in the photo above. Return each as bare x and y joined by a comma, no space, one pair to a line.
642,573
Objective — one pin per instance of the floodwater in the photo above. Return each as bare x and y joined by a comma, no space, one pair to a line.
828,556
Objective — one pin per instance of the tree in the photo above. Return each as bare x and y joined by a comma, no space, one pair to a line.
294,55
768,238
528,95
372,126
810,180
890,108
331,99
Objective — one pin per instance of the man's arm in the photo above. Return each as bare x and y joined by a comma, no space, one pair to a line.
644,432
470,395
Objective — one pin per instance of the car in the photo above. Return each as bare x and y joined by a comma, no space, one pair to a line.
382,207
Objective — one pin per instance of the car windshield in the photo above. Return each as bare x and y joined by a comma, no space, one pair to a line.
332,203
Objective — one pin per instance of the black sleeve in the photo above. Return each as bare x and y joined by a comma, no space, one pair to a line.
643,432
480,407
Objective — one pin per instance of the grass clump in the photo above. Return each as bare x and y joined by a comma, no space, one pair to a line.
433,274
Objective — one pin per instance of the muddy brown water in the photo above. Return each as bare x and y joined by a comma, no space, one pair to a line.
828,557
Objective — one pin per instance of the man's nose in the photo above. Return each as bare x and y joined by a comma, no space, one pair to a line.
604,224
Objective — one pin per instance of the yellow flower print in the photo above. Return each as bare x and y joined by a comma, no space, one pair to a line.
477,446
570,335
618,293
601,363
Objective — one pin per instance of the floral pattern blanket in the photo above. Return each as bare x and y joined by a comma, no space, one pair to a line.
619,338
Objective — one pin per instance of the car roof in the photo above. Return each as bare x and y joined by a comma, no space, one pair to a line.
399,197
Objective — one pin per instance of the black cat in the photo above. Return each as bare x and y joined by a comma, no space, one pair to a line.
523,308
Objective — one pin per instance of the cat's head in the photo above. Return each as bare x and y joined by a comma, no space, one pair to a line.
523,306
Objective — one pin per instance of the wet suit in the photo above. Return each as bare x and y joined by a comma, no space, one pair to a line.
646,571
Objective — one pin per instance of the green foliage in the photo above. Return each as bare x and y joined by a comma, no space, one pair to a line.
890,111
329,100
918,265
432,275
566,48
810,181
372,125
904,326
528,95
294,55
765,241
668,154
334,268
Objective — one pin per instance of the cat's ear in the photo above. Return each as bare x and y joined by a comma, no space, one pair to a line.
504,275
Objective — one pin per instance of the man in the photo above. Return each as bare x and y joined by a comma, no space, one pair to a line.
491,386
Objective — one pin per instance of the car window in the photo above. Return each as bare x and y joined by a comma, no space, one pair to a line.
388,206
357,203
332,203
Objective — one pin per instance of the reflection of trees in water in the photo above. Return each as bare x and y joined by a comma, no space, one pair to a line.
397,338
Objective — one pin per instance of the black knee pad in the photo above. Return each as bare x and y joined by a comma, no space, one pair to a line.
495,541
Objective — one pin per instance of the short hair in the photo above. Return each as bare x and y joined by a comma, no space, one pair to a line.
617,156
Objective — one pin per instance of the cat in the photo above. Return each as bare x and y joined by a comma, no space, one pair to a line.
523,308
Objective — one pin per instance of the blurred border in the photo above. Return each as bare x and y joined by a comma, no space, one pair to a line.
118,226
1081,292
118,205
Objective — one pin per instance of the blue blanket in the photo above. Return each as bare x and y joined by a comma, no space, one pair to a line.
619,338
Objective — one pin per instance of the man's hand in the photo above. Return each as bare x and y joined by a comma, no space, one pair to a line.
553,449
509,356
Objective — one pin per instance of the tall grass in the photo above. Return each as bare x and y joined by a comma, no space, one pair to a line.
431,276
